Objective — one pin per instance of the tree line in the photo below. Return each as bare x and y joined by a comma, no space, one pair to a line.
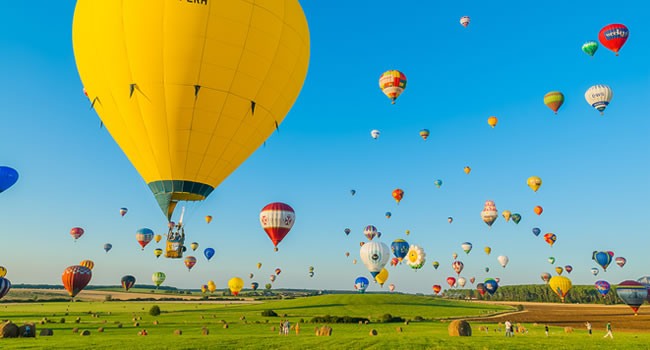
584,294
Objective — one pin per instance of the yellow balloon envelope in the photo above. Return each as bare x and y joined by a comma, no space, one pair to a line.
208,219
467,169
493,121
560,285
488,250
235,284
87,263
3,271
559,270
259,265
212,287
381,277
534,182
506,215
158,238
190,89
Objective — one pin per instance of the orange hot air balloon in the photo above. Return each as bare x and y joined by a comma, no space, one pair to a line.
398,195
538,210
76,278
208,219
467,169
158,238
87,263
436,288
493,121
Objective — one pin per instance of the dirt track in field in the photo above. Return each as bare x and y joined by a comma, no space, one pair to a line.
576,315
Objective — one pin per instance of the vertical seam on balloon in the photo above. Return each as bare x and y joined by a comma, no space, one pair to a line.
164,89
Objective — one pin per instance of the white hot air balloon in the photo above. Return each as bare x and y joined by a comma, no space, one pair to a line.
464,21
416,257
503,260
375,134
467,247
599,96
462,281
374,255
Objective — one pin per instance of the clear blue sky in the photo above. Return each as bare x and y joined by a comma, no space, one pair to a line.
595,169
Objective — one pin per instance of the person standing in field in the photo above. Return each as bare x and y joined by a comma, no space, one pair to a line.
588,327
546,330
609,331
286,327
508,326
297,328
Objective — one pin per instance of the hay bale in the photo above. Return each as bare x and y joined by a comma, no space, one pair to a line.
535,324
399,329
360,322
28,330
75,330
373,332
100,330
568,330
201,317
155,322
242,318
46,332
214,316
104,321
365,322
134,319
406,323
460,328
205,331
324,331
77,320
225,326
41,322
119,325
178,332
273,329
85,333
8,330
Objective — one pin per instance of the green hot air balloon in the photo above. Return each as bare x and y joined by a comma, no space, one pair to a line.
551,260
158,278
590,47
554,100
516,218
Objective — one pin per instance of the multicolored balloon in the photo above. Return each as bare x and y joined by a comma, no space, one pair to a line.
506,215
416,257
398,195
491,286
76,233
277,219
450,219
545,277
559,270
568,268
516,218
87,263
235,285
204,288
435,264
534,183
467,169
381,277
551,260
461,282
157,252
375,256
75,278
554,100
392,83
208,253
123,211
492,121
599,97
190,261
353,192
451,281
472,279
632,293
144,236
481,288
400,248
391,287
272,278
613,36
388,215
254,286
602,287
466,246
489,214
194,245
550,238
560,285
347,231
375,134
538,210
464,21
457,266
590,48
3,271
158,278
602,258
454,255
208,219
127,282
438,183
424,133
360,284
278,271
5,287
158,237
107,247
620,261
370,232
594,271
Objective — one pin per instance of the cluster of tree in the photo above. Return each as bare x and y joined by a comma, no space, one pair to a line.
538,293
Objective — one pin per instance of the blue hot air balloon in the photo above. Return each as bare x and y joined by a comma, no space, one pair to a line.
352,192
438,183
632,293
361,284
209,253
602,287
491,286
347,231
603,258
127,282
108,247
536,231
400,248
8,177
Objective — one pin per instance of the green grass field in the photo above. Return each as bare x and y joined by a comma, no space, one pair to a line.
248,334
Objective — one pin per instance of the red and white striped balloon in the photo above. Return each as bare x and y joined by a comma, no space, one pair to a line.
277,219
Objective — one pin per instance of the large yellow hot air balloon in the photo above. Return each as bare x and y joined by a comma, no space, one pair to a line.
534,182
235,284
211,286
560,285
190,89
382,276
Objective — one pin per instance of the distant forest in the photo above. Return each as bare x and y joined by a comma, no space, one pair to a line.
538,293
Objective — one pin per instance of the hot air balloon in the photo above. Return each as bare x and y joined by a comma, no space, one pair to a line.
208,219
277,219
388,215
487,269
392,83
590,47
466,246
158,278
489,213
620,261
3,271
352,192
204,288
416,257
347,254
599,97
194,245
354,261
435,264
450,219
254,286
457,266
378,234
391,287
546,277
438,183
5,286
259,265
503,260
560,285
144,236
278,271
311,273
451,281
436,288
464,21
602,258
408,232
212,287
157,252
381,277
158,238
480,287
498,280
400,248
516,218
594,271
250,276
107,247
347,231
536,231
568,268
613,36
554,100
75,278
602,287
8,177
467,169
538,210
235,284
534,183
632,293
551,260
127,282
506,215
394,261
454,255
550,238
472,279
375,134
186,127
87,263
190,261
374,255
370,232
398,195
461,282
208,253
360,284
76,233
123,211
491,286
493,121
424,133
559,270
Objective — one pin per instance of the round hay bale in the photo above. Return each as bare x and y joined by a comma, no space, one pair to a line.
62,320
41,322
8,330
205,331
139,318
28,330
104,321
568,330
373,332
134,319
360,322
77,320
365,322
273,329
201,317
406,323
325,331
100,330
46,332
85,333
155,322
137,324
460,328
75,330
242,318
399,329
119,325
225,326
178,332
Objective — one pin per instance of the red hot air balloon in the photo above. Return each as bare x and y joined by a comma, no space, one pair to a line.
398,195
190,261
538,210
76,233
451,281
437,288
75,278
614,36
277,219
620,261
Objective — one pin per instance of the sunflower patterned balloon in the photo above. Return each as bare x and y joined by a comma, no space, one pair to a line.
416,257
